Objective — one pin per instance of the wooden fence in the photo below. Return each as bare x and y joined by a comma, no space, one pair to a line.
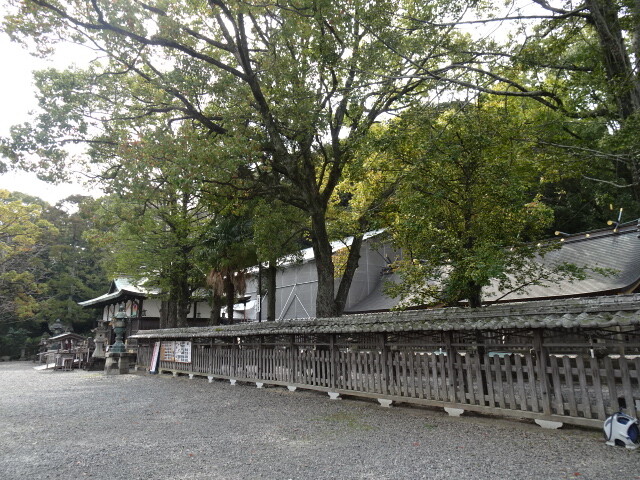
521,373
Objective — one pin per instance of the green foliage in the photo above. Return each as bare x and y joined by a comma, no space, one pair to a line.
200,112
468,208
23,238
46,269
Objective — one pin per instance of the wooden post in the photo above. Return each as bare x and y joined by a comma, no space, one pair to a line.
193,354
259,359
481,351
384,376
542,357
332,360
451,371
292,360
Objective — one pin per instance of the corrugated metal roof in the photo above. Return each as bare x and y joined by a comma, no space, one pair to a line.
377,300
617,252
619,310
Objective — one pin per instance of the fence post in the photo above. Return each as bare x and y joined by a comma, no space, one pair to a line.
193,353
384,376
332,360
451,374
542,361
292,360
259,358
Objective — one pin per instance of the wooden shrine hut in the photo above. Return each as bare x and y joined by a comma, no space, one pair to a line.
65,351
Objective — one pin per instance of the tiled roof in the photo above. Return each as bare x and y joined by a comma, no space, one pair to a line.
620,310
121,289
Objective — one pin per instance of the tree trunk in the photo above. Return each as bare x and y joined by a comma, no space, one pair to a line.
230,297
183,301
349,272
475,294
164,313
626,89
272,271
172,313
217,302
325,300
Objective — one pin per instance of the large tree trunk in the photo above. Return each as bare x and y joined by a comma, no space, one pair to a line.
620,72
349,272
163,314
172,314
183,297
325,300
272,271
217,302
230,297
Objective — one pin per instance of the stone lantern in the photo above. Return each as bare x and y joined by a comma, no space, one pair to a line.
118,360
119,326
99,340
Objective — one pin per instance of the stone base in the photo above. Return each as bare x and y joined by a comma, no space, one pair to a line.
454,412
118,363
95,364
291,388
549,424
385,403
334,396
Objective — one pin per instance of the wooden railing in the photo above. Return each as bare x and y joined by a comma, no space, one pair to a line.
578,388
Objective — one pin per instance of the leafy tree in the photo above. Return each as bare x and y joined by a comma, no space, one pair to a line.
582,57
230,248
293,86
46,268
468,209
279,232
73,268
156,218
23,241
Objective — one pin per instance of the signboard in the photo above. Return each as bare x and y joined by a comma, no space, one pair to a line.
182,352
179,351
154,357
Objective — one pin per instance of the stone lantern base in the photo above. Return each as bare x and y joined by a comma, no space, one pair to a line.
118,363
95,363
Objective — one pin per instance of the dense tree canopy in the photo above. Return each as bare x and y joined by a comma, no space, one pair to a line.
293,86
46,267
322,119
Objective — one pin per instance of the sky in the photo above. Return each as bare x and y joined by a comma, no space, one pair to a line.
17,99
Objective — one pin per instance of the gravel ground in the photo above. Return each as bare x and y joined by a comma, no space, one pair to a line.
71,425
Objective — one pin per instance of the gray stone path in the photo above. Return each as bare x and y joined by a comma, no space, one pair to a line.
73,425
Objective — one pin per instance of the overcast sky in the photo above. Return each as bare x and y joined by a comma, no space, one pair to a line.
16,100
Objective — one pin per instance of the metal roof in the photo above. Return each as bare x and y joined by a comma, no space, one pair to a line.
591,312
616,252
